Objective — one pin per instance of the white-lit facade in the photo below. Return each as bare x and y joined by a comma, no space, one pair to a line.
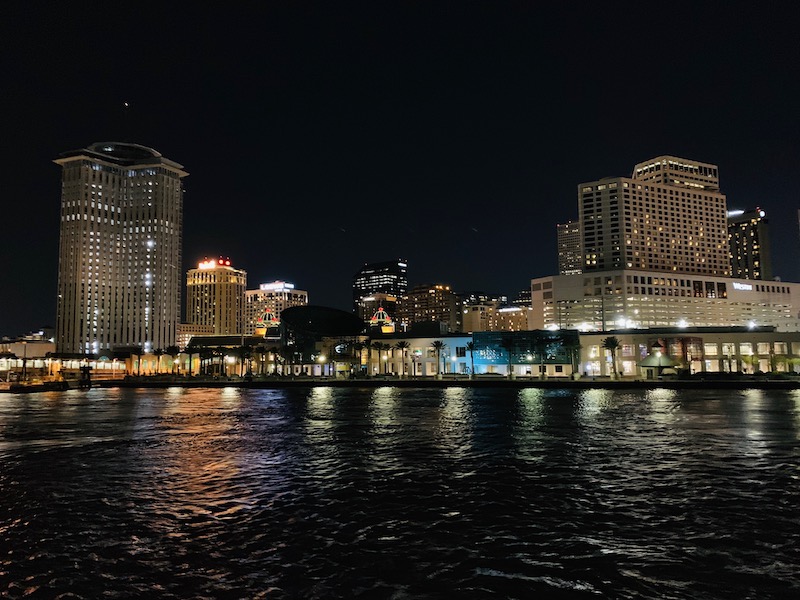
645,299
215,296
119,276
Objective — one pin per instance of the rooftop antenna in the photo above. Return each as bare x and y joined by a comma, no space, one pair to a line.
126,121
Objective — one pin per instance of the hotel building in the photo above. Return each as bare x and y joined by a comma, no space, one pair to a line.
570,256
628,298
668,216
215,296
120,249
656,254
432,303
389,277
270,297
748,236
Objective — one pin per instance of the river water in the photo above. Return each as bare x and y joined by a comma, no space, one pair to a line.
400,493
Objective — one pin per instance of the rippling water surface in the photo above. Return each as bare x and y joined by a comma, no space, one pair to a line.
400,493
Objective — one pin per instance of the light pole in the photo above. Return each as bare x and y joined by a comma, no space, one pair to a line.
454,366
24,360
321,359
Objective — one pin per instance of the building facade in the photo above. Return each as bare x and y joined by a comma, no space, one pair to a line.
273,298
215,296
432,302
669,216
389,277
748,237
628,298
570,255
121,227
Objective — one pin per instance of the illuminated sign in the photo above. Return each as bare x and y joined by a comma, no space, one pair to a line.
213,264
277,286
742,286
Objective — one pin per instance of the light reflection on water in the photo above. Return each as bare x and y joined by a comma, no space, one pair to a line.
394,492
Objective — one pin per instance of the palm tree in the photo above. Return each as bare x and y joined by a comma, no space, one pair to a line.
471,350
381,347
172,352
356,349
138,352
370,346
438,347
507,343
612,344
158,354
402,345
190,350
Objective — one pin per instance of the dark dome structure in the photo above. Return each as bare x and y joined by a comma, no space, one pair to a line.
321,321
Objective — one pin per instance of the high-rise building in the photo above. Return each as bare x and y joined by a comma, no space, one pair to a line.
432,302
215,296
270,298
748,236
120,249
389,277
669,216
570,257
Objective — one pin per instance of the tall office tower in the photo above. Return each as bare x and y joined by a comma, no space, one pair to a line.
215,296
748,235
669,216
390,277
432,302
270,297
570,257
119,263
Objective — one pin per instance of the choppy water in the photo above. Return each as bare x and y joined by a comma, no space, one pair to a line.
389,493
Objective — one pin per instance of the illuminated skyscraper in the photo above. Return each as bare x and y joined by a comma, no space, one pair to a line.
568,236
432,303
669,216
120,249
215,296
272,297
748,235
390,277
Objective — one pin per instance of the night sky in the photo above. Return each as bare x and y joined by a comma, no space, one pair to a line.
321,137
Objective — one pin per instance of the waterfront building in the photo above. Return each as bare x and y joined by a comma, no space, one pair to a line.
215,296
669,216
570,255
388,277
639,299
748,237
695,350
270,298
432,302
120,249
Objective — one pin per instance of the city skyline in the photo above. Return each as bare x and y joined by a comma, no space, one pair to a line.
320,140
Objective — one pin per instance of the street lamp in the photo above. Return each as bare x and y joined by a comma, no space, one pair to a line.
454,365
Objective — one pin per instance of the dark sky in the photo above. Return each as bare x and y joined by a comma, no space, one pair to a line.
320,137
